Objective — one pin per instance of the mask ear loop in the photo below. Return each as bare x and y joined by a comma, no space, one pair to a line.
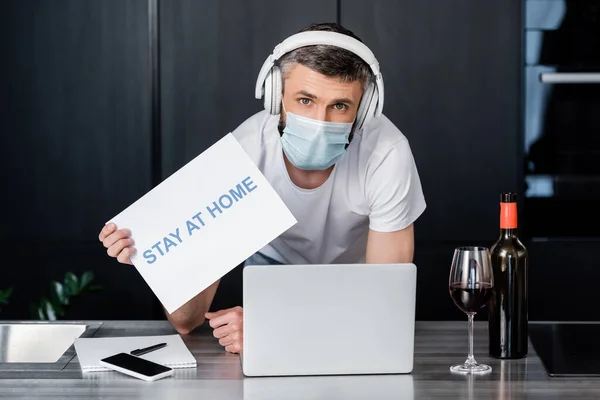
280,125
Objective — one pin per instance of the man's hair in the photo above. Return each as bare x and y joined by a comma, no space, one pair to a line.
328,60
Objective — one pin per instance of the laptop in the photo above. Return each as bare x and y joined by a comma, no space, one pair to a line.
334,319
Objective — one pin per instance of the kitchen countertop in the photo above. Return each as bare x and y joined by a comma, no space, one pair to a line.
218,375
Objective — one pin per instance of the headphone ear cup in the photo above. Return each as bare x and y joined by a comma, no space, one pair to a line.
268,90
277,89
367,106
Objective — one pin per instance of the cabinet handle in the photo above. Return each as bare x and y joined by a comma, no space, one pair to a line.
570,77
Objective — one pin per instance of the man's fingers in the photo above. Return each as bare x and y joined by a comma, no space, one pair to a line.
106,230
237,336
221,320
124,256
222,331
118,243
225,330
223,317
226,341
118,246
115,237
234,348
228,328
233,341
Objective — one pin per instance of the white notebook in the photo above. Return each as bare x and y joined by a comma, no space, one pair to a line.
91,350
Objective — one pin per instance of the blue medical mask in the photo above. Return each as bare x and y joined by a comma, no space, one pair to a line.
311,144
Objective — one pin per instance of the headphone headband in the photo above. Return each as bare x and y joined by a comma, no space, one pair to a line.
311,38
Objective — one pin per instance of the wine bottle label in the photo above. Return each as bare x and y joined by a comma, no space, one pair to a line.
508,215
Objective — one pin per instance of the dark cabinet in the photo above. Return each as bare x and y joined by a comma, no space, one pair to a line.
452,75
75,130
74,115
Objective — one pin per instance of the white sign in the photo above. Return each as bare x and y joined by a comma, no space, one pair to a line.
202,221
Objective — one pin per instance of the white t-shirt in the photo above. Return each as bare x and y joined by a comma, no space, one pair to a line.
375,185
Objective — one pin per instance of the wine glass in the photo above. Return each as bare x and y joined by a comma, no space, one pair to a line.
471,284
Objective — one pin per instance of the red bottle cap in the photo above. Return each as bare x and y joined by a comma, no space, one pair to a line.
508,211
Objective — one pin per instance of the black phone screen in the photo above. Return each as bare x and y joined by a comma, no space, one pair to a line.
136,364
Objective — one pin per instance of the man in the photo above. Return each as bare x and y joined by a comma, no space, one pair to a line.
354,189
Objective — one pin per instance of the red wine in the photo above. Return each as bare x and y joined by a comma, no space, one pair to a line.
508,305
471,297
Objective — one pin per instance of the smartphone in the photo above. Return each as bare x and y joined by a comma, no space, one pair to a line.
136,367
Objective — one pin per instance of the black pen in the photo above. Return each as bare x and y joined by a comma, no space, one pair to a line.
139,352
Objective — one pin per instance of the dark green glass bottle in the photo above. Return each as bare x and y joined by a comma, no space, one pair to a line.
508,305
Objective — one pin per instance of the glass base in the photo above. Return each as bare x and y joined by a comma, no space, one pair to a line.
468,368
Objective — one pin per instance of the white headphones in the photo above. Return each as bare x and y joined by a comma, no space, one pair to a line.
269,83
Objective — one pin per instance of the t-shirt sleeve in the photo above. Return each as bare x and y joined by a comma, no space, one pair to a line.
394,191
248,135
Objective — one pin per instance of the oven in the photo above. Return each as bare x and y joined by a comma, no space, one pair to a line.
562,119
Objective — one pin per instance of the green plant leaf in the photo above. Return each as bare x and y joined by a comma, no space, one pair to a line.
72,282
47,310
38,312
62,296
60,292
86,278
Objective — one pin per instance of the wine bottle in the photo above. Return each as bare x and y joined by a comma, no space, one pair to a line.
507,311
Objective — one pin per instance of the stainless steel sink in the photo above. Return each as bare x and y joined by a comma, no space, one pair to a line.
40,345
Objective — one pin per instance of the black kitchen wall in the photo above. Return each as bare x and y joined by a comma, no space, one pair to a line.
75,122
79,127
211,52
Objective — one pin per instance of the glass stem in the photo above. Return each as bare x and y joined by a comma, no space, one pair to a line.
471,358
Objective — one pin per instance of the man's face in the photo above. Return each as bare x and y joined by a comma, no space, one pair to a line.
310,94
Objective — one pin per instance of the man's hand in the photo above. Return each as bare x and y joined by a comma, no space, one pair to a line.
228,327
118,243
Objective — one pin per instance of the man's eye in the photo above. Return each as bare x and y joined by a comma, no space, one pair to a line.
305,101
339,106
